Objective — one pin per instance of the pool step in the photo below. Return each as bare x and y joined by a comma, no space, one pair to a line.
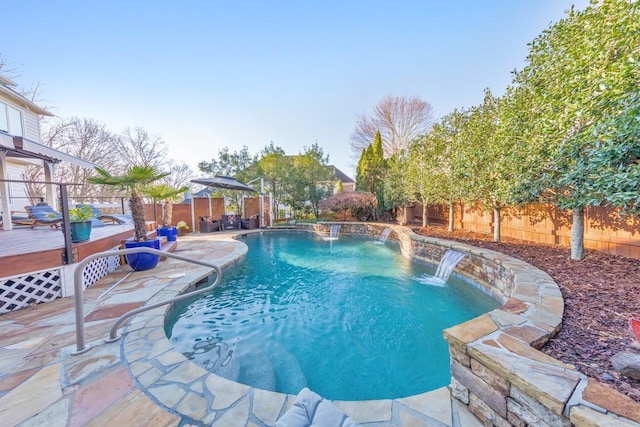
288,371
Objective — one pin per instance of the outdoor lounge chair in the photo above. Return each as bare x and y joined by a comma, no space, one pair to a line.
108,218
43,215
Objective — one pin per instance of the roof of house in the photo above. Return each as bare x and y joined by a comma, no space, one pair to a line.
341,175
5,88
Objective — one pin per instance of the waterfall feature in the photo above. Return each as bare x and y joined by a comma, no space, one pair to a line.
384,235
334,232
447,264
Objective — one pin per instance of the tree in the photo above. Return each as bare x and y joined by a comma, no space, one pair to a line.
425,175
490,165
456,184
362,204
395,194
572,100
87,139
240,165
274,165
372,169
133,181
179,174
137,147
168,194
309,180
399,121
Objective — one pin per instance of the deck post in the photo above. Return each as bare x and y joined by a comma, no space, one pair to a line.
67,254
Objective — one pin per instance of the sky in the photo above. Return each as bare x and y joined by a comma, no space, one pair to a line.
203,75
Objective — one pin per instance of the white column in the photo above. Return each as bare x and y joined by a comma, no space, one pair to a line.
49,175
4,193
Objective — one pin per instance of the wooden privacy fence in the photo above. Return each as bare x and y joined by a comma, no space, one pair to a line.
204,206
605,229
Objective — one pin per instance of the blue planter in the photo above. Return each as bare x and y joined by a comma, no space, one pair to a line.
80,231
143,261
170,232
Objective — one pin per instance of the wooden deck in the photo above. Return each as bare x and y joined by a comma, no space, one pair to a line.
25,249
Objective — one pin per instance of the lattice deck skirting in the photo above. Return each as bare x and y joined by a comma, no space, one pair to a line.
19,292
22,291
99,268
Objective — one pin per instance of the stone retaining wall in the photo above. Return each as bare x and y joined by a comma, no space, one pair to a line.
495,365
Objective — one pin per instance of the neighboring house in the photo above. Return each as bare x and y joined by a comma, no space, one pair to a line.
348,184
20,146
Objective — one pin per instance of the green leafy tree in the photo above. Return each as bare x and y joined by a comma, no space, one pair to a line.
491,167
395,195
371,170
426,174
309,180
240,165
275,166
447,133
574,99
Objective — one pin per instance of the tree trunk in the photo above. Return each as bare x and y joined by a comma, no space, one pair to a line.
577,234
425,215
168,213
451,218
496,224
137,213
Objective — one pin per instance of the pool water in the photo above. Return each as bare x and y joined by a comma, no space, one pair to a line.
348,318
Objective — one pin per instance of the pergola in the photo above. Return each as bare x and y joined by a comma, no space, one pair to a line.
19,147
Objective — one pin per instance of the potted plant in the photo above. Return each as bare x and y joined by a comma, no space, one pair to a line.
79,223
183,227
133,181
168,194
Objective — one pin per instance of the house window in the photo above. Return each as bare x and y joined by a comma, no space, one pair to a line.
4,119
10,120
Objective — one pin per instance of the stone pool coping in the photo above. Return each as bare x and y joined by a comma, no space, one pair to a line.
497,372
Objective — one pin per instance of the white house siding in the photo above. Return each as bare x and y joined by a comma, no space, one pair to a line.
31,126
18,197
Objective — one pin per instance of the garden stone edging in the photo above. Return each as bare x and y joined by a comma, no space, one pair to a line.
497,369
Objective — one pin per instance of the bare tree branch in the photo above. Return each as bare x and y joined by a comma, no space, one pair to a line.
399,120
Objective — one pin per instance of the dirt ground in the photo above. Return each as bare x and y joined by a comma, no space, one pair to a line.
600,293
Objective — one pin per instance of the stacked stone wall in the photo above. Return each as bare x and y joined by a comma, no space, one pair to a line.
496,367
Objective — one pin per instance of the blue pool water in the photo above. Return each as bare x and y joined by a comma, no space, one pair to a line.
347,318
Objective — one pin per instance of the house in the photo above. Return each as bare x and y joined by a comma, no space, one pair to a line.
20,145
348,184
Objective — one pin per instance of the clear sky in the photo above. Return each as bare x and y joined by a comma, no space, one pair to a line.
207,74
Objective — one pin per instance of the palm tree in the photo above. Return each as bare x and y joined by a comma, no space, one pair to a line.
133,181
169,194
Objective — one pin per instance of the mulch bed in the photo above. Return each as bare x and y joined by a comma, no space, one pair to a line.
600,293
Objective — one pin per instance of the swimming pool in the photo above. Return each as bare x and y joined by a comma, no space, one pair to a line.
346,318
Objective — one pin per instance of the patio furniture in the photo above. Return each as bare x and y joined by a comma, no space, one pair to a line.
16,220
231,222
251,223
109,218
208,224
43,215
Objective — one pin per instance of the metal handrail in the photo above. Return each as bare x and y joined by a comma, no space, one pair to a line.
81,347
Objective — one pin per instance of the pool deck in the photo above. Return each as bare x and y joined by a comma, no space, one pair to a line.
141,379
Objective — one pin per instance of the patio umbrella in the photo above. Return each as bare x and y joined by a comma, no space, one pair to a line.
224,182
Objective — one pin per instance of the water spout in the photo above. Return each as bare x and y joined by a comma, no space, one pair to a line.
447,264
334,232
384,235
